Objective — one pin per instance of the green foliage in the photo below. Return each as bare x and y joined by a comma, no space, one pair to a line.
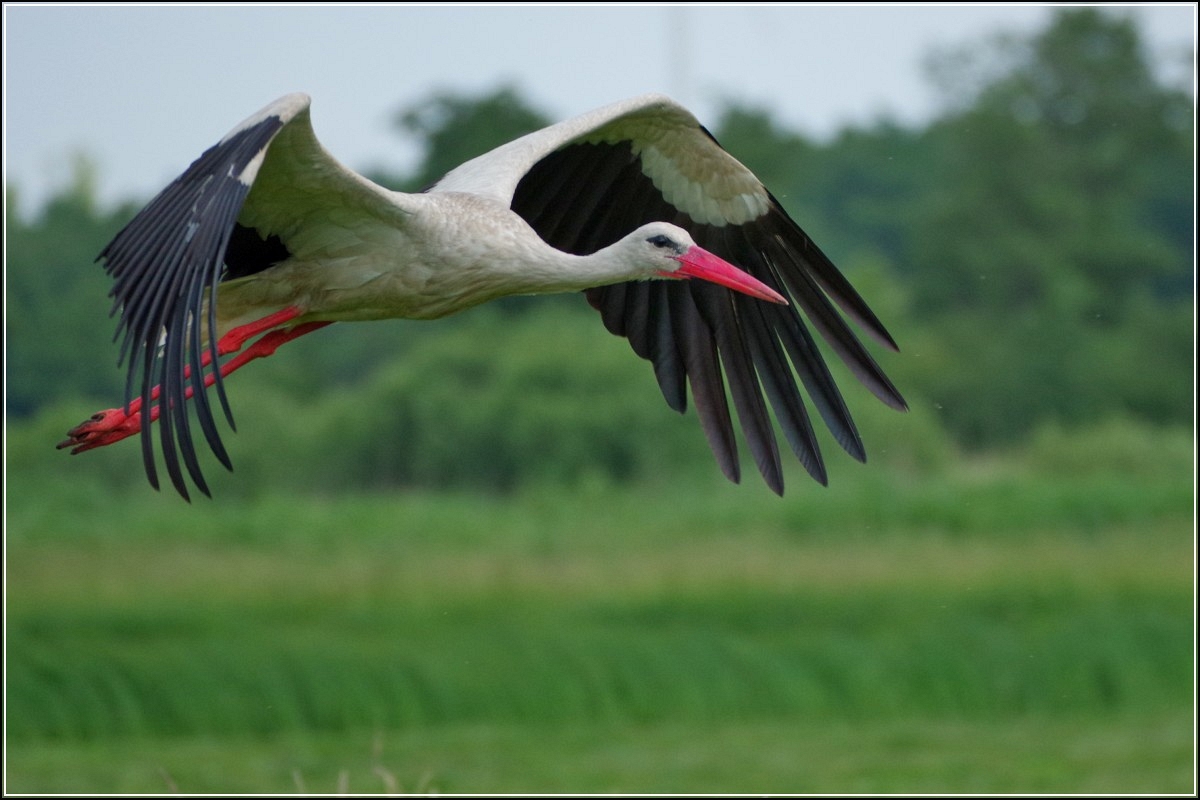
1113,448
1058,168
58,332
1052,228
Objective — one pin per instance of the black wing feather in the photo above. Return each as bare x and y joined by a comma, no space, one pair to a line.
699,352
164,264
771,362
772,366
669,369
689,330
834,329
716,306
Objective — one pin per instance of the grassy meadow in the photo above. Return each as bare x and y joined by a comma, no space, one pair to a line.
1018,624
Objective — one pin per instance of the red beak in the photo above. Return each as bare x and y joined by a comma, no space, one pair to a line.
699,263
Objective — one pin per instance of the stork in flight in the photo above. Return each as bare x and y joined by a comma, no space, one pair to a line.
266,235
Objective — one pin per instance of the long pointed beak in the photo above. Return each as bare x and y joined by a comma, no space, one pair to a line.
699,263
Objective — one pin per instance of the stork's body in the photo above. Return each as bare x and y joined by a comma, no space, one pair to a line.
266,234
454,251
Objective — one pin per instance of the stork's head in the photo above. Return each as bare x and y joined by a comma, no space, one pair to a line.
671,253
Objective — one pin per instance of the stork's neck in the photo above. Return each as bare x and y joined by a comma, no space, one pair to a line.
550,270
541,269
487,243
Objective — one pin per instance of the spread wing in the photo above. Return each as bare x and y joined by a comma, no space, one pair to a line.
259,195
587,182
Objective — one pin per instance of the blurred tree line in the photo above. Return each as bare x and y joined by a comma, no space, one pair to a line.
1031,249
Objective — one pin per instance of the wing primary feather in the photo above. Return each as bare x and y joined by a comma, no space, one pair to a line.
141,334
704,372
637,313
130,285
179,409
227,208
196,302
762,340
717,308
199,395
664,354
610,302
171,393
173,421
142,249
148,358
831,279
154,318
775,372
214,279
835,331
815,376
789,329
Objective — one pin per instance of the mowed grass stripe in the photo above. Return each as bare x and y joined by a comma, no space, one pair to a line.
189,670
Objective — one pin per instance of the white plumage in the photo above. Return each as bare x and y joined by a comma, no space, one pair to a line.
267,235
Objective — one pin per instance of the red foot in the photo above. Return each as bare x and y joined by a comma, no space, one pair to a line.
104,428
114,424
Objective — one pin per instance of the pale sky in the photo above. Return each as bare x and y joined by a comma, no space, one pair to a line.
143,90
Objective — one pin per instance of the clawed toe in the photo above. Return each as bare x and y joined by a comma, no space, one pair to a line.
102,428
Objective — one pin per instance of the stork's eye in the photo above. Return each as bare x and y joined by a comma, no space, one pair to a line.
661,241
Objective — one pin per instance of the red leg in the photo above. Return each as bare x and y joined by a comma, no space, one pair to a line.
229,343
236,338
115,424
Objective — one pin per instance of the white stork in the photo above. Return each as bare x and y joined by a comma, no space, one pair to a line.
267,235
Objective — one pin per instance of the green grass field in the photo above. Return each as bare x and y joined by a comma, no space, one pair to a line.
1000,628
